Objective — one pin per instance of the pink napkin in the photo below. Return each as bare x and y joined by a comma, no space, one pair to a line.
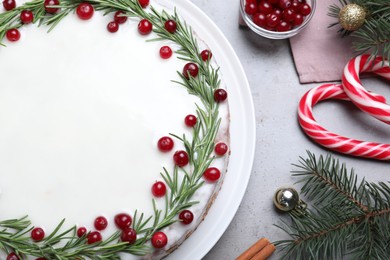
320,53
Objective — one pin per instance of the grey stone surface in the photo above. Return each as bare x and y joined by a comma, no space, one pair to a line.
276,92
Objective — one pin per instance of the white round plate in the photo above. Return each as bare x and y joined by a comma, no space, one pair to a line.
242,134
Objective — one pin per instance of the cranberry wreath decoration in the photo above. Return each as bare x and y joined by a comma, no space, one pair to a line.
19,239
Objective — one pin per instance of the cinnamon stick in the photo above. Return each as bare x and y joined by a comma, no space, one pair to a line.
266,252
254,249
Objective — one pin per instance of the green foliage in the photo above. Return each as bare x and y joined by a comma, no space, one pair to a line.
374,36
349,217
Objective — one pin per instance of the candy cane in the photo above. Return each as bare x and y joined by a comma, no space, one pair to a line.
328,139
373,104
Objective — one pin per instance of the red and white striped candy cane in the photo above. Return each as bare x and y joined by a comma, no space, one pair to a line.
328,139
373,104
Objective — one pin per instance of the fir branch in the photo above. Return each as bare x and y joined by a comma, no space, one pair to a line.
326,181
374,36
372,39
350,217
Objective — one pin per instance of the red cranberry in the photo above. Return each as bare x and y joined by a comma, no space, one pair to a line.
26,16
143,3
145,27
159,189
273,2
129,235
269,28
272,20
288,14
94,237
221,149
51,10
251,2
251,8
13,256
295,6
298,19
165,144
112,27
277,12
120,17
220,95
190,120
259,19
81,231
100,223
123,221
181,158
159,240
9,4
85,11
283,26
170,26
13,35
165,52
37,234
284,4
305,9
186,217
206,55
265,7
212,174
190,69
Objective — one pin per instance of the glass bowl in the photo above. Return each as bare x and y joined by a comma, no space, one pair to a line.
273,34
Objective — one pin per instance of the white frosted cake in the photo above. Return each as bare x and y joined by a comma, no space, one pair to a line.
82,114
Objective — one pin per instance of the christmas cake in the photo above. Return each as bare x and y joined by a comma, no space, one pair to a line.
114,129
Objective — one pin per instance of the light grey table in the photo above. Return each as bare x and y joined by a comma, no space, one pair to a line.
276,92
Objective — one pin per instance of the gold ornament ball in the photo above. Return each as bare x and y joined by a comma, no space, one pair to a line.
286,199
352,17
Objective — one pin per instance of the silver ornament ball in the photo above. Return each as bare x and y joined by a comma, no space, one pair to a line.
286,199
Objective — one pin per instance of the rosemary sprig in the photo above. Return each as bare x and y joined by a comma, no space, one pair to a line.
14,234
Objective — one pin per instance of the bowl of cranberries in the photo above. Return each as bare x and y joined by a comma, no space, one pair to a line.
277,19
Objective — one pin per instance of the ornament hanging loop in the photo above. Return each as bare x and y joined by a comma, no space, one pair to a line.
301,207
